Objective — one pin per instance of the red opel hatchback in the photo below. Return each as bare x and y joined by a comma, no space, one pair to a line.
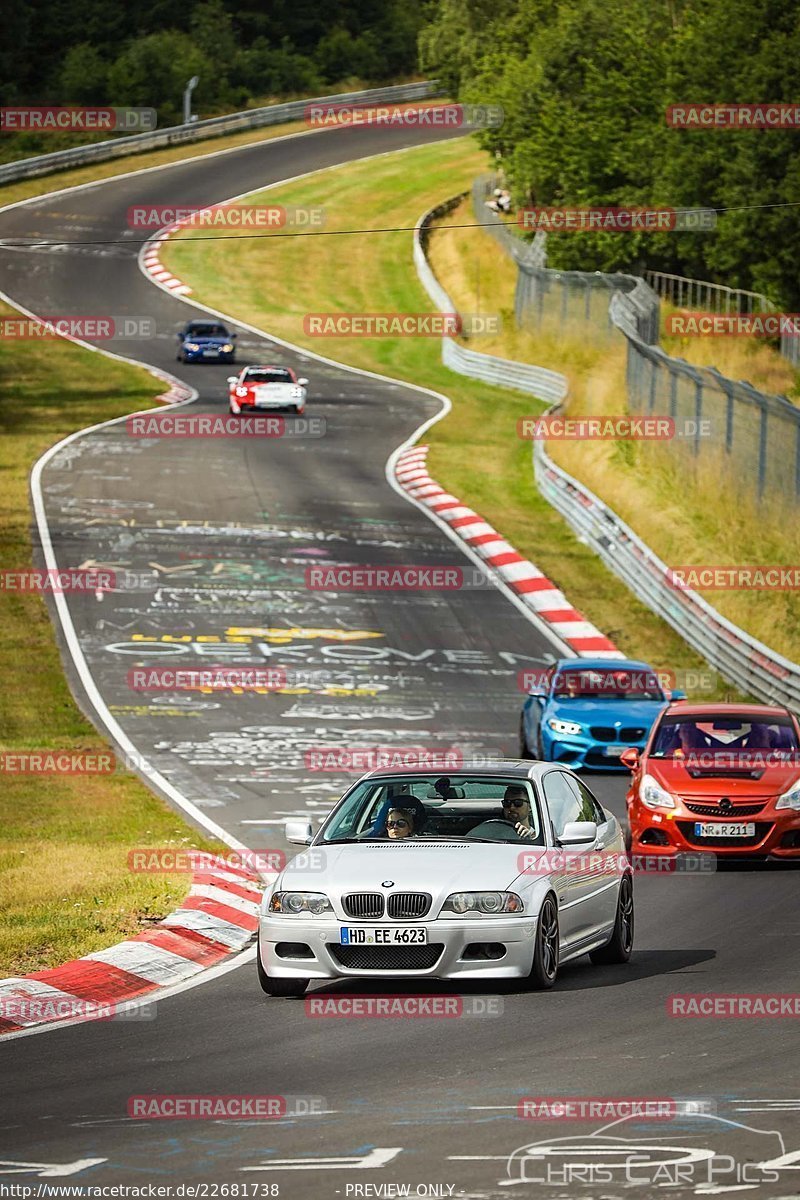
717,777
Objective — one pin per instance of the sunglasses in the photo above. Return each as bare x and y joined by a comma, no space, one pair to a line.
395,824
514,803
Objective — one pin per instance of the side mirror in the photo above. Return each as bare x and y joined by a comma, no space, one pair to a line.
302,382
579,833
630,758
299,833
677,694
180,336
233,378
232,336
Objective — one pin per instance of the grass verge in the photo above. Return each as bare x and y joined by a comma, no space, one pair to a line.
65,889
374,273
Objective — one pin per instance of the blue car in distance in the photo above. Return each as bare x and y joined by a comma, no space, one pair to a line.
206,341
584,712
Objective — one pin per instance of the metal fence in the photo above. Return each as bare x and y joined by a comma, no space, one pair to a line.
740,658
273,114
750,436
544,296
716,297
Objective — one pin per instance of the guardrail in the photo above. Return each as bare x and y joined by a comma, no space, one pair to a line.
548,385
741,659
173,135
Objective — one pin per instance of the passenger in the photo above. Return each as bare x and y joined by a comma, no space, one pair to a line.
517,809
399,823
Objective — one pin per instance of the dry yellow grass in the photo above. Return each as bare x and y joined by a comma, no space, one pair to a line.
737,358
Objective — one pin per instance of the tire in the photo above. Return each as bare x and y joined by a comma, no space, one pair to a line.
620,946
544,970
539,746
279,987
524,752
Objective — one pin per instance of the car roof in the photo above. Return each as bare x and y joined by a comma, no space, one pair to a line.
602,663
726,710
518,768
267,367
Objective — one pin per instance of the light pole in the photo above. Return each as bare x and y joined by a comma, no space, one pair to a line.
187,98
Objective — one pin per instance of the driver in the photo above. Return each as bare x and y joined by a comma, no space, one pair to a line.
517,809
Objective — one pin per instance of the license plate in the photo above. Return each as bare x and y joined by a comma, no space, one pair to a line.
366,935
742,829
210,353
615,751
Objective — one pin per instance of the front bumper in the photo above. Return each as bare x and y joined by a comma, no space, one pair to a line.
248,406
578,750
321,937
777,833
202,356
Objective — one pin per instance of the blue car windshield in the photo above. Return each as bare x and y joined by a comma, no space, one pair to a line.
433,807
207,331
630,684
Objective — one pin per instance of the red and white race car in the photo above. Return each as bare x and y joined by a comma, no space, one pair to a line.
266,387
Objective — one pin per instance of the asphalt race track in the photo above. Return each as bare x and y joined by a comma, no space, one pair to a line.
213,539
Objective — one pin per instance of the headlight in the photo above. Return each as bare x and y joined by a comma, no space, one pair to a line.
242,391
297,391
790,799
190,346
483,902
226,349
653,795
564,726
294,903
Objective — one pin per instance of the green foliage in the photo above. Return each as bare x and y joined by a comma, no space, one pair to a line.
585,85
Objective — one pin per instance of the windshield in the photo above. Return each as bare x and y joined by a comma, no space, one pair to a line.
208,331
270,375
438,808
679,737
607,685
